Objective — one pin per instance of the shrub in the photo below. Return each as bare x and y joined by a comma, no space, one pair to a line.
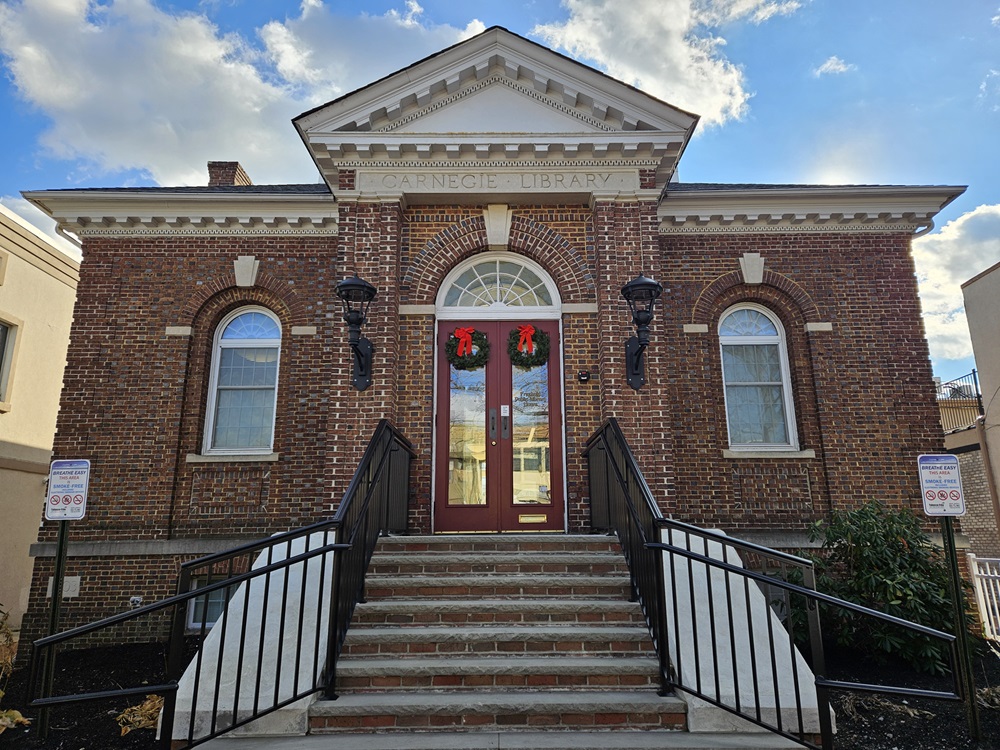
9,718
882,559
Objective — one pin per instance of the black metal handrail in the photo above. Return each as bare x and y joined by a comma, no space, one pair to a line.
294,591
960,402
689,579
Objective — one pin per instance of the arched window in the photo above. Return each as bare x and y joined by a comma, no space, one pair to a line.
759,412
244,383
496,286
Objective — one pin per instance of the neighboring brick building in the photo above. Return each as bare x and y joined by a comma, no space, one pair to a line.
492,185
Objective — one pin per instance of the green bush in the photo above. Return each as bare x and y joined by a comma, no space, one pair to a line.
882,559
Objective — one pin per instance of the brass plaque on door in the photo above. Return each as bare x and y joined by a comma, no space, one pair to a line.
533,518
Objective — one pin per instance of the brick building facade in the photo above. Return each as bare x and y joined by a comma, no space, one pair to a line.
495,151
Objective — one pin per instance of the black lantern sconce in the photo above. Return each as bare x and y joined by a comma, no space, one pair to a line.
641,294
357,295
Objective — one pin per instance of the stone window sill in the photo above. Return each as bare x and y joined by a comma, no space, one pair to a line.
808,453
218,458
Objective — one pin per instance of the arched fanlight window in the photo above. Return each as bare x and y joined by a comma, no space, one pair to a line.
759,410
500,285
244,383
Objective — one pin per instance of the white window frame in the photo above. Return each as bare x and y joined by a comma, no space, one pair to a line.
786,383
8,358
498,310
192,622
213,390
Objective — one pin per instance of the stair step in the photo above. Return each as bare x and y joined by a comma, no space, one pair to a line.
508,710
505,562
466,543
468,673
406,612
524,740
483,586
496,640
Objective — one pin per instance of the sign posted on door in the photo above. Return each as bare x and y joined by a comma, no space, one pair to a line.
67,496
941,485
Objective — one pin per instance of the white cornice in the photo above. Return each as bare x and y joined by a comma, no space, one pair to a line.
109,212
847,208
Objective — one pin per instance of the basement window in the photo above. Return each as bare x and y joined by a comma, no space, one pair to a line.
206,609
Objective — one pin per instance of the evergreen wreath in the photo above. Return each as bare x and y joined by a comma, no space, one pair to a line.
540,348
479,356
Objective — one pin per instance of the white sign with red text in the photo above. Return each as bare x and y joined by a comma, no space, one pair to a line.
941,485
67,496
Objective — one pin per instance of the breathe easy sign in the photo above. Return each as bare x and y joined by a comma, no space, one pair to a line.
67,495
941,485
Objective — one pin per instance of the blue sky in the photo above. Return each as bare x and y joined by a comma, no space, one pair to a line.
100,93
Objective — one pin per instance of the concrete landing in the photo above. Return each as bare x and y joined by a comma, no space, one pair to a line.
561,740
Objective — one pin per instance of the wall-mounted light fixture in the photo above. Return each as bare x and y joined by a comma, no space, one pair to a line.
641,294
357,295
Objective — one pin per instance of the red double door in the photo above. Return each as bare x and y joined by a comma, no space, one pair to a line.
499,437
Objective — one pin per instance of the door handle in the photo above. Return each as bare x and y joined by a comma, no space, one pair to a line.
493,424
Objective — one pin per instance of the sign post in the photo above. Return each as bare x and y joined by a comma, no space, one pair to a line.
941,488
65,500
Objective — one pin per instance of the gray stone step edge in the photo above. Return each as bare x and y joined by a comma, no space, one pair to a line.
518,701
495,579
480,633
503,665
534,605
497,556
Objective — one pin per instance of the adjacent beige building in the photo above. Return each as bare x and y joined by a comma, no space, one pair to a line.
982,309
37,292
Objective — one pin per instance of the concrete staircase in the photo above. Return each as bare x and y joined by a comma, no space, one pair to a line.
514,641
487,633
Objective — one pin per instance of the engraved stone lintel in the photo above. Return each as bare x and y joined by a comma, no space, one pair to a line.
246,267
752,266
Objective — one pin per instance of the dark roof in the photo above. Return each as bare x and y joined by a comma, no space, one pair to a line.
698,187
318,188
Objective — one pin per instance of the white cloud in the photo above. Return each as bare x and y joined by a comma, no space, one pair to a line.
833,65
945,260
41,222
665,47
725,11
129,86
989,90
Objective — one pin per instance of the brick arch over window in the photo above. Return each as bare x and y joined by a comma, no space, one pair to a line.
564,263
286,302
793,316
707,307
203,327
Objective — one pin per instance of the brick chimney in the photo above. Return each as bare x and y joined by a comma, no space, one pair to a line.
227,174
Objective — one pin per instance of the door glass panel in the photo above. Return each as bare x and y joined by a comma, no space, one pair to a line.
530,417
467,438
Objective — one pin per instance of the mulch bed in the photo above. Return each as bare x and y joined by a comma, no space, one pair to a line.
865,722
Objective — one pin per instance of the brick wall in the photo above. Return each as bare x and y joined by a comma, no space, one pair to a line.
134,397
979,522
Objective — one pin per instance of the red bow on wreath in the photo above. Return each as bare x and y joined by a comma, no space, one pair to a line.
464,336
525,345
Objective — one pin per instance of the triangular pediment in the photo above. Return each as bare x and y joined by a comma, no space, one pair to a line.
499,106
496,99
